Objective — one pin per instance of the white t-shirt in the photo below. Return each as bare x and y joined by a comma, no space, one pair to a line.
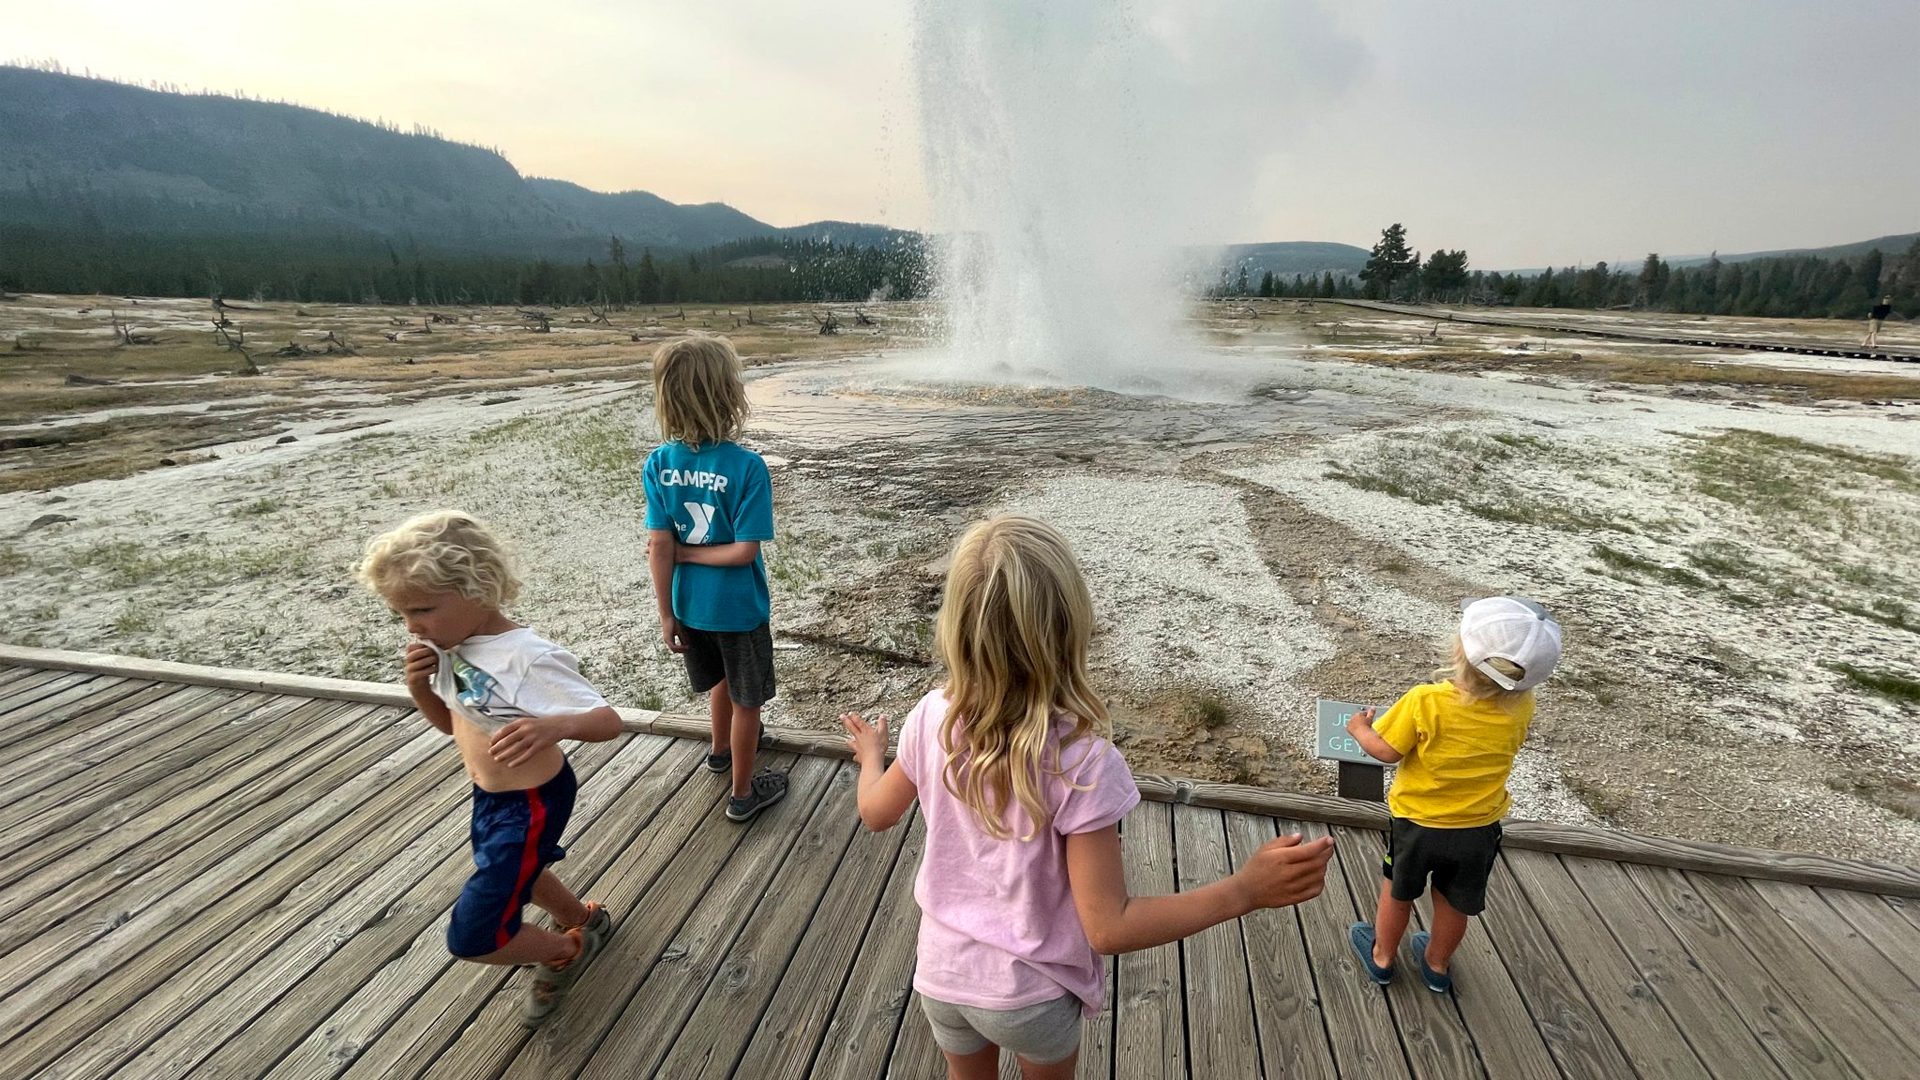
494,679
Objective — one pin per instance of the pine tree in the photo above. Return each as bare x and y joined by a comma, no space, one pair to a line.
622,286
1388,262
648,285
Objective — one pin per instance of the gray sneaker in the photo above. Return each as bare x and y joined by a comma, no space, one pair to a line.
550,985
768,788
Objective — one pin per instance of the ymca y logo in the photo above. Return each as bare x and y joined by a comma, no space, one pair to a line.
702,515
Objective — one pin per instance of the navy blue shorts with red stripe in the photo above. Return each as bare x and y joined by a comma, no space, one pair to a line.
516,834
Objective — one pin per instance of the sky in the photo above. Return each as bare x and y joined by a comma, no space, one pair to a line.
1528,133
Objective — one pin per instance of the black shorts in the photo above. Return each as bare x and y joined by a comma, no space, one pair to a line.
1458,860
743,660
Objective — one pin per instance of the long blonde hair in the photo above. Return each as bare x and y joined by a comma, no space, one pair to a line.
1012,631
698,396
1473,684
442,551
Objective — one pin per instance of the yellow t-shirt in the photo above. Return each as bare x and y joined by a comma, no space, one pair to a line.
1457,755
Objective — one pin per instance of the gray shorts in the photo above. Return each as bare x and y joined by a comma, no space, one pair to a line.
1043,1033
744,661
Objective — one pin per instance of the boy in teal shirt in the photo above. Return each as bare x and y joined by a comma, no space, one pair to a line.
709,508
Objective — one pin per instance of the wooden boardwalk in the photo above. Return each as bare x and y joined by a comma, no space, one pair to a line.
1549,323
216,881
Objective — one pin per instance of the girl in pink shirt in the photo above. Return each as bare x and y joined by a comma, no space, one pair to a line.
1021,886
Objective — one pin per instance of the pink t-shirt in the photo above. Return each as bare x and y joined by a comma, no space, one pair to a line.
998,928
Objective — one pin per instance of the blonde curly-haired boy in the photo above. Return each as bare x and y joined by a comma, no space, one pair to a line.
508,697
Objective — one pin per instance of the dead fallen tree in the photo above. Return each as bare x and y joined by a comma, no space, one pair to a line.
537,321
124,335
828,325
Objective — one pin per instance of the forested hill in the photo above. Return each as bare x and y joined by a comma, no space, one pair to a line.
81,155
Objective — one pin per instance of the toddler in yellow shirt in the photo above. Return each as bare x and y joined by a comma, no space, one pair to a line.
1454,742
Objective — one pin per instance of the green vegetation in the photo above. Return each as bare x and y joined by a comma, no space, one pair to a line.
1787,286
1633,565
257,508
1897,687
1426,468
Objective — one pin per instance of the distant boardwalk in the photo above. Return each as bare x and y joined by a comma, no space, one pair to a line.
1576,325
251,879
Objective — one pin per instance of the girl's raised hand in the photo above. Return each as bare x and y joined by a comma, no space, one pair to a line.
1286,870
867,741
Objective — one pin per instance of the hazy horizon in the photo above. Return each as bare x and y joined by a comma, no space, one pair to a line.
1528,137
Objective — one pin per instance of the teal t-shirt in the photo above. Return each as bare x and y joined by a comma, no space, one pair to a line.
717,494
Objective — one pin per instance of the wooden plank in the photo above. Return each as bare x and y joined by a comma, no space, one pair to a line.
391,1021
87,781
196,674
1651,1039
1286,1004
1804,868
1730,970
1432,1034
42,932
1360,1028
915,1055
775,893
1576,1035
1801,868
274,887
40,684
219,992
71,723
75,709
1150,1034
1908,909
159,902
1887,990
874,999
1509,1046
1882,926
777,978
149,871
1214,961
89,797
45,865
1711,1024
456,1033
32,710
628,1008
1097,1031
1874,1048
80,746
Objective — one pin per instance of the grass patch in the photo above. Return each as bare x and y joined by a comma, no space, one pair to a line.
1522,442
1431,472
132,620
256,508
1636,566
1885,683
1781,476
13,560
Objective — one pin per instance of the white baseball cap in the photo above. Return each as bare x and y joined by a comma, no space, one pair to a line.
1511,629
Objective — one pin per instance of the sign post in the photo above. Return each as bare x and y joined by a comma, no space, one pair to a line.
1362,776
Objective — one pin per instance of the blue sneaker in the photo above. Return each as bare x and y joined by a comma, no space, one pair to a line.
1438,982
1360,936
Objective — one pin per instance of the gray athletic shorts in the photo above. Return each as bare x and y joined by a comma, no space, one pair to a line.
1043,1033
744,661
